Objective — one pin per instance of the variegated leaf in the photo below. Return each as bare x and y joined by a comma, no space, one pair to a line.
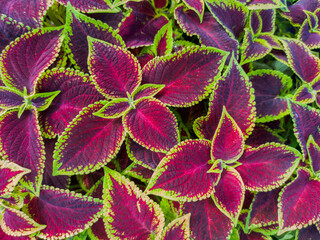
10,98
178,229
87,6
163,41
314,155
114,109
147,90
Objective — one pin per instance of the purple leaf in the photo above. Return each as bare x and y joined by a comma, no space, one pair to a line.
152,125
228,140
305,94
188,75
178,229
88,143
179,172
209,31
310,37
301,60
233,91
112,19
306,122
163,41
16,223
310,232
29,12
41,101
271,102
262,134
139,172
76,92
229,193
65,213
255,22
115,71
143,156
298,202
268,166
265,4
78,28
21,143
253,236
141,25
10,98
113,109
207,221
268,17
147,90
197,6
136,217
230,14
10,174
25,59
314,155
87,6
271,40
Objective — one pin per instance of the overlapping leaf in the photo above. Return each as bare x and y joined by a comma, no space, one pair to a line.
163,41
178,229
114,109
265,4
10,98
305,94
309,36
87,6
310,232
314,154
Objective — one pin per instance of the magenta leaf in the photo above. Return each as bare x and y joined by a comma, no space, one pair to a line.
229,193
147,90
16,223
88,143
298,202
41,101
114,109
298,55
271,102
21,143
314,155
306,121
10,174
207,221
188,75
136,217
233,91
197,6
76,92
143,156
141,25
230,14
268,166
65,213
10,98
209,31
160,3
115,71
29,12
308,36
78,28
179,172
87,6
152,125
163,41
265,4
18,69
178,229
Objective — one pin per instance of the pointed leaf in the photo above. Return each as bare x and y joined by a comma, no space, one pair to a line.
179,229
229,193
272,40
301,60
76,92
78,27
152,125
88,143
271,103
138,217
298,202
65,213
268,17
179,172
265,4
197,6
188,74
268,166
314,155
163,41
207,221
115,71
310,37
87,6
305,94
255,22
21,143
42,101
233,91
10,98
209,31
113,109
18,69
147,90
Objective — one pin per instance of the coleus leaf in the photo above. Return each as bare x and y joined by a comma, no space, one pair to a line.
255,22
41,101
188,75
305,94
233,91
141,25
147,90
308,36
231,15
21,143
115,71
139,172
5,236
88,143
9,30
209,31
301,60
310,232
273,41
314,155
197,6
114,109
29,12
229,193
181,169
16,223
306,122
298,202
113,19
18,69
73,86
10,174
152,125
271,102
87,6
78,28
10,98
214,224
178,229
253,236
163,41
228,141
137,216
265,4
262,134
65,213
160,3
268,17
268,166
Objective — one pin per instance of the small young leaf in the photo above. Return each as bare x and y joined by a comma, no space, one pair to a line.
304,94
42,101
113,109
147,90
178,229
10,98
